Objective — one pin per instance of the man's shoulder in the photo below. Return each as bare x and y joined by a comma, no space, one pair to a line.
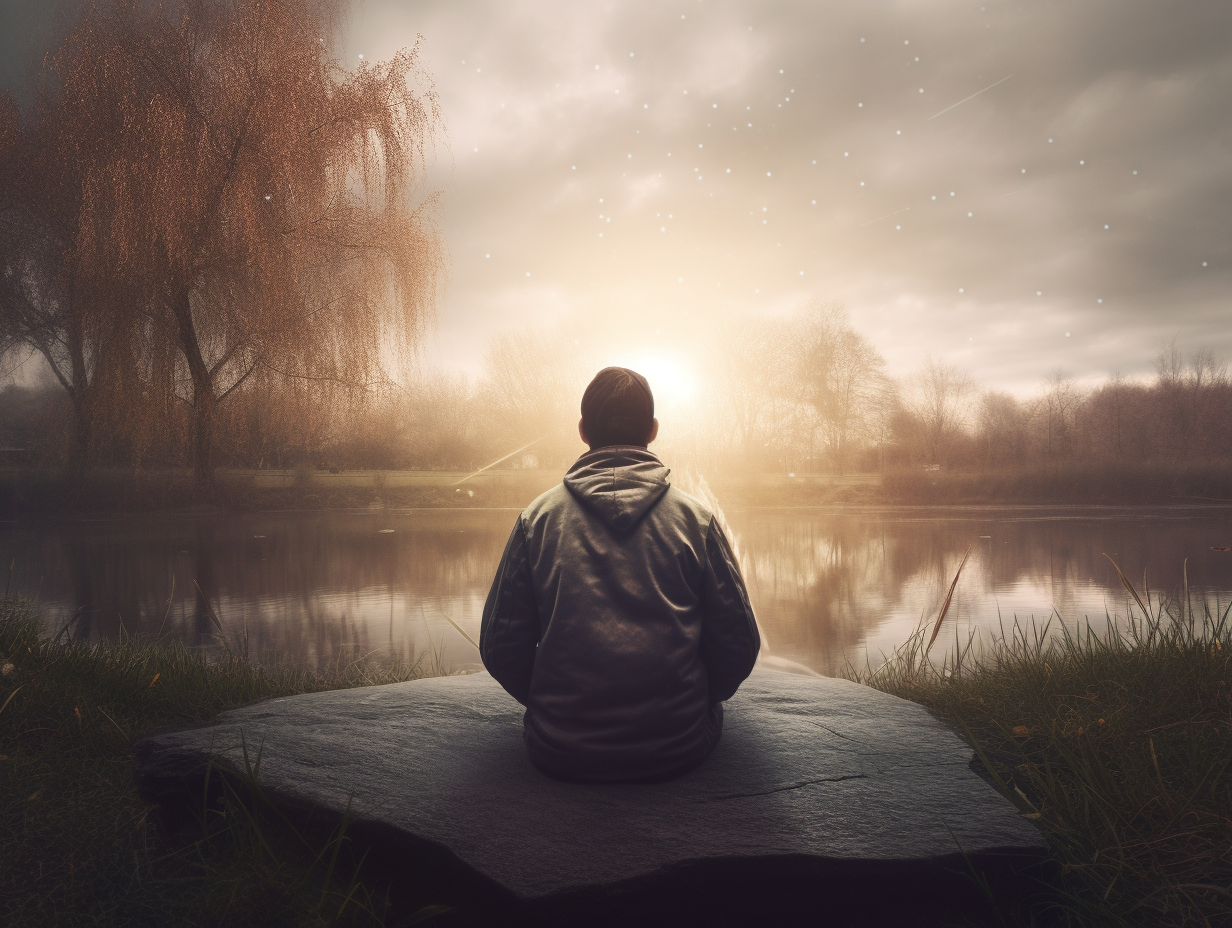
547,501
687,505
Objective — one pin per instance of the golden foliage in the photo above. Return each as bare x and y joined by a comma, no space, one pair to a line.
236,194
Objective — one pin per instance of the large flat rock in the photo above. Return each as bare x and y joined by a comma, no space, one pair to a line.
833,777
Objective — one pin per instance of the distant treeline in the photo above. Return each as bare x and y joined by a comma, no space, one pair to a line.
805,395
230,258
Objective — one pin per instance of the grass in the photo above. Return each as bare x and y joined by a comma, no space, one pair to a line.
1063,484
80,847
30,493
1118,745
25,492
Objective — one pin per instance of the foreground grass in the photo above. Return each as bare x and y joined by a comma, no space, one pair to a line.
1118,746
80,847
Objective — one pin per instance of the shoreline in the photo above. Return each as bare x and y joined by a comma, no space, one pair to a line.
1043,512
26,494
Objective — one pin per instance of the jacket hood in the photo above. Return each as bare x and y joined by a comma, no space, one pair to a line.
619,483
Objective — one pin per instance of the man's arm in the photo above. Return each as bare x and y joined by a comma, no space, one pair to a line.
730,640
509,632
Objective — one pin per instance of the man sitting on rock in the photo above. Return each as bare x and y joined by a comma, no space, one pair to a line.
618,616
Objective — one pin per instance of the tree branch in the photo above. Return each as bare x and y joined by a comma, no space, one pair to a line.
227,392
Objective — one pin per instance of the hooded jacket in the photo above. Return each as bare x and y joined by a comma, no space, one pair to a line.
618,617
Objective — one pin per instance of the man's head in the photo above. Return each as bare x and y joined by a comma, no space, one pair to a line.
618,409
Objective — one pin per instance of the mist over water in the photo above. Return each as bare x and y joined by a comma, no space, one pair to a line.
827,587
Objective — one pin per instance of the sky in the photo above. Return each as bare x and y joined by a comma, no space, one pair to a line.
1015,188
1018,189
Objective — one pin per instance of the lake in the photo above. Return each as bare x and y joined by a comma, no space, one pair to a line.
828,586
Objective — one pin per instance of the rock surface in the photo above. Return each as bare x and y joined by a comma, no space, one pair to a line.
819,771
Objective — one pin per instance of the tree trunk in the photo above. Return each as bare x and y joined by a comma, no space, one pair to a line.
203,441
81,458
205,403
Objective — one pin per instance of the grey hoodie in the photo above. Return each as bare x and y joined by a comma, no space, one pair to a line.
619,619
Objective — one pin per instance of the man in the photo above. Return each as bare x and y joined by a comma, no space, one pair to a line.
618,616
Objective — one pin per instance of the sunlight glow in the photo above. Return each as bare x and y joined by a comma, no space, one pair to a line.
670,377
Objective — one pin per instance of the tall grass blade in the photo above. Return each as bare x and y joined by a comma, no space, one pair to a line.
170,600
122,732
10,699
1129,586
71,619
945,607
460,630
209,609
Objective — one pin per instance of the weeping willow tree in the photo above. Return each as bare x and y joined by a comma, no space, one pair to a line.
242,203
45,301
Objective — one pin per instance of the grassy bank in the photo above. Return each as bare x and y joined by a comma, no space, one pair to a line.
81,848
27,493
1069,484
37,494
30,494
1119,746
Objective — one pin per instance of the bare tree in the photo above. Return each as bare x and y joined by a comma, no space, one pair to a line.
941,403
842,377
1189,391
533,382
1002,424
1170,364
1059,403
442,422
749,370
1116,390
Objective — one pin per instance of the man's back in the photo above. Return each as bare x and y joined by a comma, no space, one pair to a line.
619,618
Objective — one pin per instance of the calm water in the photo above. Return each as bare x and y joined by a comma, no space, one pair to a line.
320,587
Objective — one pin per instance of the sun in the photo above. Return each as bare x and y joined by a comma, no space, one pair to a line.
669,375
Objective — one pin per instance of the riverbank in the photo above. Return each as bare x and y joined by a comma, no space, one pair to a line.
80,847
1070,484
1119,747
32,494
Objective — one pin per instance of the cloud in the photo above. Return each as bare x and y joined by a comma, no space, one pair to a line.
813,138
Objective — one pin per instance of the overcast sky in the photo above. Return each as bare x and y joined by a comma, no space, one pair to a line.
1017,188
659,165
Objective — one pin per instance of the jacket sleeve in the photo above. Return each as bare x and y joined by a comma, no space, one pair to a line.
509,631
730,640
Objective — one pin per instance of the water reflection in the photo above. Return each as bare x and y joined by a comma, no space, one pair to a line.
831,588
319,588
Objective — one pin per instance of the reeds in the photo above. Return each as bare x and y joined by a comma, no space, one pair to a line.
78,844
1117,744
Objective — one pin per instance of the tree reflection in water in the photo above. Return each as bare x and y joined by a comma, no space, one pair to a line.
319,588
833,587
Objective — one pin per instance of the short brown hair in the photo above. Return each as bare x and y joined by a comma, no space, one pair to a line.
617,408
